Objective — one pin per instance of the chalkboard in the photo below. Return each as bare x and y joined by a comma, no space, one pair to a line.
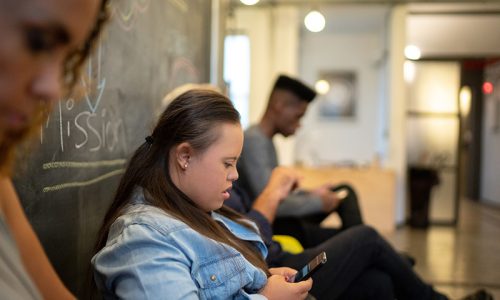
68,181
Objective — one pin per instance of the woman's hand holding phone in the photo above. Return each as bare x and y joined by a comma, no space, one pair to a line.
280,286
310,268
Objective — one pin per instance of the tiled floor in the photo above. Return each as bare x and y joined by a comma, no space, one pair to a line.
461,259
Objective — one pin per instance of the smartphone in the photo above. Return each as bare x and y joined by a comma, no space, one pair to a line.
341,193
311,267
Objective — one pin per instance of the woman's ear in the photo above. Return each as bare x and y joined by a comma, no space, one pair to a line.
183,153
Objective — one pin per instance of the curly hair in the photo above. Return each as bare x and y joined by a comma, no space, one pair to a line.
74,62
71,74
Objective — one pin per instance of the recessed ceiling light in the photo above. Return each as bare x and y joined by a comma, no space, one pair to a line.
412,52
314,21
322,87
249,2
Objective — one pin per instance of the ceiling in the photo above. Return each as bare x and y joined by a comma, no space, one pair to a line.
440,29
322,2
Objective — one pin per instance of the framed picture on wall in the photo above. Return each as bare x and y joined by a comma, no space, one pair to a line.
337,94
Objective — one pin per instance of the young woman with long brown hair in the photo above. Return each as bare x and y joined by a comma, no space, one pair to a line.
167,233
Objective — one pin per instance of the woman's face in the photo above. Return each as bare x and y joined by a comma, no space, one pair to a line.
209,175
37,37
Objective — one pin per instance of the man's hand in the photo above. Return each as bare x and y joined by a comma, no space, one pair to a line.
282,181
329,198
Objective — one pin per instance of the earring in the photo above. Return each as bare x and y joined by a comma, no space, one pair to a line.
185,166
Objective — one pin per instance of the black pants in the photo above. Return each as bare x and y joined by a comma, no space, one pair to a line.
307,230
362,265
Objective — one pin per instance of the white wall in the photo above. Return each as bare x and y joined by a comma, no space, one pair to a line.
396,156
256,24
273,33
346,45
323,141
490,171
373,49
455,35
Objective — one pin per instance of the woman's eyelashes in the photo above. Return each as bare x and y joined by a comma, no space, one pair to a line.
40,40
229,164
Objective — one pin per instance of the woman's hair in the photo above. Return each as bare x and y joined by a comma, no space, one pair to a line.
71,73
193,117
75,61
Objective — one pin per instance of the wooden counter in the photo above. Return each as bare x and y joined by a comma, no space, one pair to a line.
375,188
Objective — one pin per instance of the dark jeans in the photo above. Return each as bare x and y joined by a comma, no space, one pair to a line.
306,229
362,265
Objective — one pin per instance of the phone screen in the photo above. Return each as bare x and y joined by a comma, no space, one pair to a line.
340,193
311,267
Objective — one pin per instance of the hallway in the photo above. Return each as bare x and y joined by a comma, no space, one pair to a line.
457,260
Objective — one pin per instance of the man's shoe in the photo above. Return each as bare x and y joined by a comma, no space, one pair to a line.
408,258
479,295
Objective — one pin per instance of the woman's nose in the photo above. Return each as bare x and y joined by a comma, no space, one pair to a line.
233,176
47,84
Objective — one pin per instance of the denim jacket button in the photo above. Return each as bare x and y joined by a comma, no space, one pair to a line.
213,277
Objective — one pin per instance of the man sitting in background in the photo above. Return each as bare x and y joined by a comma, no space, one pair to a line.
301,212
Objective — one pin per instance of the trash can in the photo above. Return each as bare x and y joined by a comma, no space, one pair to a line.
422,180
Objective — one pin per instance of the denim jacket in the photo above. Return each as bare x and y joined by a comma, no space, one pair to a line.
151,255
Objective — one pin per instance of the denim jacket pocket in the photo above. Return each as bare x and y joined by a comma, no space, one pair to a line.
222,277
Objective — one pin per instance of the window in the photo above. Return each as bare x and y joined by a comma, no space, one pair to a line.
237,73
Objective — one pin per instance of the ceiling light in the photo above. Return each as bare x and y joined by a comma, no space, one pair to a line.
412,52
249,2
314,21
465,100
322,87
